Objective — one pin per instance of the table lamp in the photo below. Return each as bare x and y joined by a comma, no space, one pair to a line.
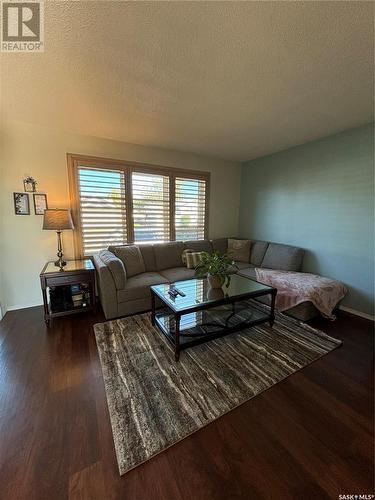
58,219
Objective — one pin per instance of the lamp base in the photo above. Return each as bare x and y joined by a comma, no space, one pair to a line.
60,263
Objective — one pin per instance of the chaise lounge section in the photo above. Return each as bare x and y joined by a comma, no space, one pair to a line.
125,273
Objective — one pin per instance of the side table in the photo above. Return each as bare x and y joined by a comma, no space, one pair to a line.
71,290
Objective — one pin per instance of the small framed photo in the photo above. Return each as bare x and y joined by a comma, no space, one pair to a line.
29,184
40,203
21,204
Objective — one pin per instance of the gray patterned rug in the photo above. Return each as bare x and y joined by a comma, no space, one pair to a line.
155,402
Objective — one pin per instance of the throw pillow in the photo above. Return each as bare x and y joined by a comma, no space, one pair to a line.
239,250
184,256
132,258
191,258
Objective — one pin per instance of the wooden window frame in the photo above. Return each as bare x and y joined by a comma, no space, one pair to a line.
128,167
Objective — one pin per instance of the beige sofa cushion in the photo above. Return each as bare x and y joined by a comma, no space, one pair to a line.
239,250
132,258
115,266
178,274
168,255
138,287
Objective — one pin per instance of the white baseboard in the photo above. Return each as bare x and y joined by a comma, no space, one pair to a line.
23,306
343,308
357,313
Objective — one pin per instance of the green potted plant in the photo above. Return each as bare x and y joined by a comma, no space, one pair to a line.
217,267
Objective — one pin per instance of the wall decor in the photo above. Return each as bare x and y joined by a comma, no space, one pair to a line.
29,184
21,204
40,203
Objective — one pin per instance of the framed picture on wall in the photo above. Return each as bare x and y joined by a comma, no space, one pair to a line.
21,204
29,184
40,203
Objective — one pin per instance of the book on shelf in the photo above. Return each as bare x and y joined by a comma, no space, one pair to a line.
78,296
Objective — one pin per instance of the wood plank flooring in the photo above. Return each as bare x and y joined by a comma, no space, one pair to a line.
308,437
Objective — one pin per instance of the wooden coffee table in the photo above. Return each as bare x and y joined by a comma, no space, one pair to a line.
203,314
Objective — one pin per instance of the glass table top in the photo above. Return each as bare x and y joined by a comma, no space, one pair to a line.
71,265
198,292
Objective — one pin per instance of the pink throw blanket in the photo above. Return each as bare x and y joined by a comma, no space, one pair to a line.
294,288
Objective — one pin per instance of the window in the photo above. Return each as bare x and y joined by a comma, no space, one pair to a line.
190,210
116,202
150,207
102,208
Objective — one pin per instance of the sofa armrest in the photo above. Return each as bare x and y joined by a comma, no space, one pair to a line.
111,277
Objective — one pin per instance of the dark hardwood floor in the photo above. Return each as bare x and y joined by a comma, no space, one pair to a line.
308,437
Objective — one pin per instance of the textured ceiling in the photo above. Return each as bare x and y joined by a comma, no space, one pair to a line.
233,80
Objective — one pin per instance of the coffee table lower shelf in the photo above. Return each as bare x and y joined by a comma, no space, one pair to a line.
189,329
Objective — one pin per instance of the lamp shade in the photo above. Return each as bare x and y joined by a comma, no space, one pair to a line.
57,219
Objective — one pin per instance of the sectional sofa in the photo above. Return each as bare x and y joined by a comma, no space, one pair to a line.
125,273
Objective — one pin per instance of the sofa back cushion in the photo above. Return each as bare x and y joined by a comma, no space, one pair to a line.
220,245
239,250
116,267
257,252
168,255
148,255
283,257
132,259
199,245
147,251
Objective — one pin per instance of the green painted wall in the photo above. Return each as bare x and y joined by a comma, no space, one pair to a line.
319,196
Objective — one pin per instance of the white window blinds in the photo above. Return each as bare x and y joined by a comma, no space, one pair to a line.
102,208
190,208
115,202
151,209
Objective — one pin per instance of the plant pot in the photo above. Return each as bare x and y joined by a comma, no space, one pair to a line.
215,281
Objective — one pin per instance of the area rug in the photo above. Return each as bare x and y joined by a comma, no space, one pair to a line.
155,402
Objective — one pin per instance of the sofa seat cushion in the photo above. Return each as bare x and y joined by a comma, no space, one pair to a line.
283,257
199,245
178,274
243,265
138,287
249,272
240,266
168,255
